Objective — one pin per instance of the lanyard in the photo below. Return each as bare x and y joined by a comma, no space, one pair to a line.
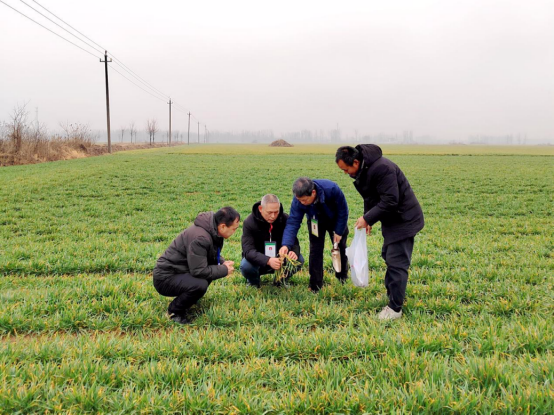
218,256
270,229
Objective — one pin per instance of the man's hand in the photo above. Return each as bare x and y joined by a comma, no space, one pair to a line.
361,223
283,251
293,256
230,266
274,263
336,238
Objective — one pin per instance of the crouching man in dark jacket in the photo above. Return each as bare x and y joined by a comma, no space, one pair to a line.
388,198
262,235
193,261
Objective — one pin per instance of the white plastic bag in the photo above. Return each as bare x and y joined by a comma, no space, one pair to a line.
357,258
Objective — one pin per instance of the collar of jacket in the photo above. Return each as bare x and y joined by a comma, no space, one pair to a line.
320,194
359,175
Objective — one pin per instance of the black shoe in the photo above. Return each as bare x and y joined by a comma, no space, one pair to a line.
342,280
181,319
249,284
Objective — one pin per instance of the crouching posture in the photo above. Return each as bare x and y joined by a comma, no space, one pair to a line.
262,236
193,261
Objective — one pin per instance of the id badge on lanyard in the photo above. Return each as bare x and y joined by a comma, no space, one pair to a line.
315,229
270,249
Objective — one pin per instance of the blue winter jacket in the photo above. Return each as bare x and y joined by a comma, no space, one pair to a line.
330,202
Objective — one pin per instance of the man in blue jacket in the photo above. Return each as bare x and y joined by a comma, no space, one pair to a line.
389,199
324,204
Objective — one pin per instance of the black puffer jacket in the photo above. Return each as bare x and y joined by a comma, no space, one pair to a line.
388,196
194,251
255,232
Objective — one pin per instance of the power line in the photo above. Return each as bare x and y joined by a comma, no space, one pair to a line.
34,21
63,28
180,107
116,60
138,86
103,48
180,110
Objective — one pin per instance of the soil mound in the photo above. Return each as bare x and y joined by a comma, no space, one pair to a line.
280,143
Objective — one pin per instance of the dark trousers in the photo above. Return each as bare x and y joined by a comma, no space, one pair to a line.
186,289
398,257
317,245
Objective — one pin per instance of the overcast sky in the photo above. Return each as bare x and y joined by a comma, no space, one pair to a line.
448,69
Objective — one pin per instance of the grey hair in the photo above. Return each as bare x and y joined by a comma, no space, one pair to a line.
269,198
303,186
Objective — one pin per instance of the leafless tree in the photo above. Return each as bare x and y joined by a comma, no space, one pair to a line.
18,125
133,131
122,131
38,131
152,128
77,131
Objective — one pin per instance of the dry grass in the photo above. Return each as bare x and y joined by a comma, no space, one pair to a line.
22,142
39,150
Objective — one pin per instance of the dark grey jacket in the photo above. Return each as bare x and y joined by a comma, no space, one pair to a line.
194,251
388,196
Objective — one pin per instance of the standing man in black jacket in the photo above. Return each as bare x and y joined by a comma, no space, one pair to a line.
193,261
262,235
389,198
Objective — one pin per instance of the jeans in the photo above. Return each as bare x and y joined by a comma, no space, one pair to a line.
253,272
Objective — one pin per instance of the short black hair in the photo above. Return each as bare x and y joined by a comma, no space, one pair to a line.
303,186
226,215
347,154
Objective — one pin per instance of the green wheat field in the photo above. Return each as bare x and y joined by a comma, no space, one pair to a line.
82,329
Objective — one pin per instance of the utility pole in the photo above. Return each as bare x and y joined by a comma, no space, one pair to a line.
169,121
107,99
188,134
205,133
198,132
